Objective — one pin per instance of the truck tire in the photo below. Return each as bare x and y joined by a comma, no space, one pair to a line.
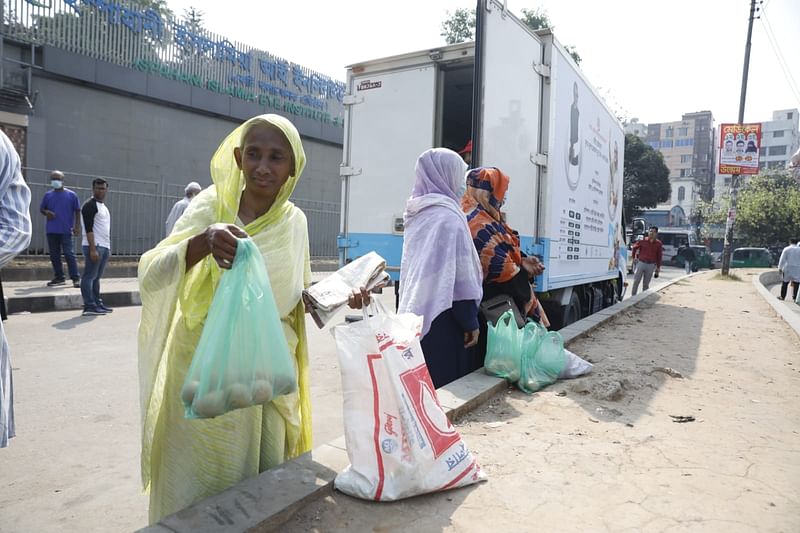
572,311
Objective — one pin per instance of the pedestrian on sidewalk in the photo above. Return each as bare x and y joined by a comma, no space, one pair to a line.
62,209
789,269
648,253
96,247
689,257
15,235
440,274
191,190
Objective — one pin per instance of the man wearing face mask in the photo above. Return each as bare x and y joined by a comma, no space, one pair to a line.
62,209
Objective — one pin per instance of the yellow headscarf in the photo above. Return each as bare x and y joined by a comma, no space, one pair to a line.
164,281
229,183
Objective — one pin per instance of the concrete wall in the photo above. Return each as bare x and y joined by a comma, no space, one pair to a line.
88,131
153,135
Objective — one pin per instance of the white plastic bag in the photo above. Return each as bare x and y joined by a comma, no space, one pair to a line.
399,440
576,366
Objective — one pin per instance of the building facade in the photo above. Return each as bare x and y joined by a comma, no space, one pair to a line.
137,96
688,149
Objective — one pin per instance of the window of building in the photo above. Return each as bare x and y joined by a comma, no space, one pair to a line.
683,132
681,193
776,164
686,172
686,158
778,133
789,116
777,150
666,143
653,144
668,132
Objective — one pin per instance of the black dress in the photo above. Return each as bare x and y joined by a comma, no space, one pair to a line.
443,345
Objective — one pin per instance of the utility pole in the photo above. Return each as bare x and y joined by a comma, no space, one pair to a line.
726,253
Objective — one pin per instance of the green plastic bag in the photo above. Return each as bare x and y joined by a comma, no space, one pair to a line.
503,350
543,358
242,358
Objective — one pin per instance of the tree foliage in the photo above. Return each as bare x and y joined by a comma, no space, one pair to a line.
460,26
767,211
646,177
193,18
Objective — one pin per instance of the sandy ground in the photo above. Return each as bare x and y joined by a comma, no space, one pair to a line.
603,453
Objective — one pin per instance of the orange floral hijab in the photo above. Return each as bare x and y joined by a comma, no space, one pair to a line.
497,244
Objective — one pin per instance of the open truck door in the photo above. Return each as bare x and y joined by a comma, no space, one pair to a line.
395,107
507,108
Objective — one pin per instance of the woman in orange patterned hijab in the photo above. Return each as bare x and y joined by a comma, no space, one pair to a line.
505,269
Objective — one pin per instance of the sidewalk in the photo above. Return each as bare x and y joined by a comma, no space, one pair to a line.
37,297
604,452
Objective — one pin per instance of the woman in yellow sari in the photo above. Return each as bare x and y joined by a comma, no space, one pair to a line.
254,171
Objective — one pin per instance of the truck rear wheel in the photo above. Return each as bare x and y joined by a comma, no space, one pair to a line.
572,311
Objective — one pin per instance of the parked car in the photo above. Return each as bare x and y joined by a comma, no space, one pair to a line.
703,257
751,258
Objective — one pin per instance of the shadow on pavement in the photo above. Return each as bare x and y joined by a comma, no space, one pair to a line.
339,512
72,323
634,356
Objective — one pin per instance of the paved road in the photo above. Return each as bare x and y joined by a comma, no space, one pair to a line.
668,273
76,457
75,460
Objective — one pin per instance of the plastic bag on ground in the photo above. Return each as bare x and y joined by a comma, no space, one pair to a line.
503,348
543,359
575,367
399,440
242,358
324,299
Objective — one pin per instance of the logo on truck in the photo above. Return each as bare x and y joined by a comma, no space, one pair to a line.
367,85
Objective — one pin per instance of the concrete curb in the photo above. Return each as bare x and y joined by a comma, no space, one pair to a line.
267,501
67,302
772,277
73,302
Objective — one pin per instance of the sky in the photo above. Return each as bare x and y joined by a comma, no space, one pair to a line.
651,59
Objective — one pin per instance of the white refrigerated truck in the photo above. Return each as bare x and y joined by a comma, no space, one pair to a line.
530,112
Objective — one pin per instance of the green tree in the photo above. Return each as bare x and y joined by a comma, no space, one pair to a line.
768,210
193,19
646,177
460,26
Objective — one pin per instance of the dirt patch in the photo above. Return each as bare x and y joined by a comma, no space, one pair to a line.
690,421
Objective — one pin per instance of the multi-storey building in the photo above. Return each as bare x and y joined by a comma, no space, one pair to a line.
688,149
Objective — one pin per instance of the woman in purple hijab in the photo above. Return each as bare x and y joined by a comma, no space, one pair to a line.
440,273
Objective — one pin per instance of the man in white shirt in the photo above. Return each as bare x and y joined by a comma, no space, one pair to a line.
789,268
192,190
96,221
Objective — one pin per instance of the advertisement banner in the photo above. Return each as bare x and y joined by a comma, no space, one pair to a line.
586,192
739,147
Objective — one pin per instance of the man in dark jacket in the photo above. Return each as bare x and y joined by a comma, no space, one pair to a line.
688,255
